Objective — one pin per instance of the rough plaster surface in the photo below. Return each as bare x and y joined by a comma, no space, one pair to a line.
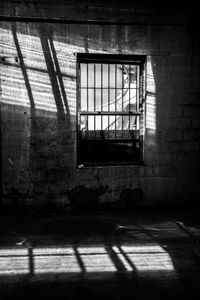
38,113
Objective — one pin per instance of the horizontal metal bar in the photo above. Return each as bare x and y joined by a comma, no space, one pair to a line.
116,135
110,61
111,58
105,88
111,113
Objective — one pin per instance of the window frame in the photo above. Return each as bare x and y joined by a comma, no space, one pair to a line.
92,58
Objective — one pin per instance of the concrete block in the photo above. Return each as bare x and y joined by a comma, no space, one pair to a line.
191,111
174,135
163,193
167,170
181,123
177,111
191,135
174,146
163,146
196,123
164,158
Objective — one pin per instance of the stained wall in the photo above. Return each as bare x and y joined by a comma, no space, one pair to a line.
39,42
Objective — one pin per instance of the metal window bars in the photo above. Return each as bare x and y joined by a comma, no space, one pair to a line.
111,96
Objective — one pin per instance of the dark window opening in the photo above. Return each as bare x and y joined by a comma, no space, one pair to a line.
111,91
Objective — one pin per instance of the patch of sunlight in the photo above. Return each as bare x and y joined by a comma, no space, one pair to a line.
150,97
55,260
147,257
143,249
27,78
96,259
52,251
151,262
14,261
123,260
91,250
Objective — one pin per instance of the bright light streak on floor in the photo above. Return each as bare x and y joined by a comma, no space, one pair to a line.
14,261
91,250
52,251
55,260
96,259
83,259
98,263
149,258
121,257
143,248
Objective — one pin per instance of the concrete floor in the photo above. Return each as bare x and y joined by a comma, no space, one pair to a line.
146,254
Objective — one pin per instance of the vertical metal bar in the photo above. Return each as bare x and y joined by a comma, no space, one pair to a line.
141,88
87,121
115,87
87,89
138,87
78,115
101,95
79,82
94,96
79,106
115,97
136,99
137,94
108,87
109,95
122,96
87,98
129,77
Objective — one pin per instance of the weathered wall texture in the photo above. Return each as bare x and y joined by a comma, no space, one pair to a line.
38,115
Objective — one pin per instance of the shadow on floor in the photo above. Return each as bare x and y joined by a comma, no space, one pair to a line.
144,255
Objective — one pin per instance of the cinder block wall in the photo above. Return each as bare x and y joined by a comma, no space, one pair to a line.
39,99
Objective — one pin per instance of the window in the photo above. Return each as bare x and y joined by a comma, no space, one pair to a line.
111,92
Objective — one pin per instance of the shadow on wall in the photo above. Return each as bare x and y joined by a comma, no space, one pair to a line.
40,84
84,199
34,97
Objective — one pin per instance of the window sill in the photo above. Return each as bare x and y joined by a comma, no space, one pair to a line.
110,164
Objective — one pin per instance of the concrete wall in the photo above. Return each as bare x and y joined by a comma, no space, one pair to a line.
39,97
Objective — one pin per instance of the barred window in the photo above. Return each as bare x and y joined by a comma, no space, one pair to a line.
111,92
